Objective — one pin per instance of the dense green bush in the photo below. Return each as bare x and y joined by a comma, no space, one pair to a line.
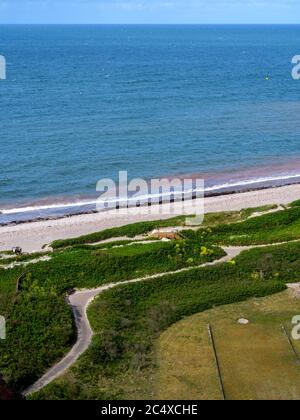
40,330
281,261
85,268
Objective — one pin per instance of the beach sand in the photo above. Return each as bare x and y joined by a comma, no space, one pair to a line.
32,236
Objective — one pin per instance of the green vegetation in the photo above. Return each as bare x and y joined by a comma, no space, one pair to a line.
226,217
274,227
39,332
83,268
108,245
128,320
22,258
129,231
40,327
132,318
5,254
295,203
250,356
246,213
142,228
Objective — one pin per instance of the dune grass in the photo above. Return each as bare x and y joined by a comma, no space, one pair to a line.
295,203
129,231
280,226
142,228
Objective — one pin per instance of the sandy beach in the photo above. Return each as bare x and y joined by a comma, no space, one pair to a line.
33,236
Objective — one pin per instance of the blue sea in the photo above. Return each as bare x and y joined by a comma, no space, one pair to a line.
81,103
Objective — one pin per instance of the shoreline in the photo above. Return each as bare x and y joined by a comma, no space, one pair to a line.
245,179
208,194
34,235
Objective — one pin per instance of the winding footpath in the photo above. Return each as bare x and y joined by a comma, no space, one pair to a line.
81,299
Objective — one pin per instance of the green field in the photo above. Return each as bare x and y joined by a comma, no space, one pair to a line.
256,360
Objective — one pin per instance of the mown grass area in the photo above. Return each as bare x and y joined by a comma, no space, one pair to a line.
128,320
256,360
270,228
39,322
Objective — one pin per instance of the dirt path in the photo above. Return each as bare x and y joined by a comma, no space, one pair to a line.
25,263
80,301
295,288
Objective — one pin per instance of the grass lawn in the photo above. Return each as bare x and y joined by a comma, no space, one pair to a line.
256,360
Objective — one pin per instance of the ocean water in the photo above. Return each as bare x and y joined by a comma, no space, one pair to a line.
81,103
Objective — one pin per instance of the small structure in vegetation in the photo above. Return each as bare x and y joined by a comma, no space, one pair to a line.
17,250
171,234
243,321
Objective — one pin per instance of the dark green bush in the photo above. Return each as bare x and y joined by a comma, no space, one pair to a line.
40,330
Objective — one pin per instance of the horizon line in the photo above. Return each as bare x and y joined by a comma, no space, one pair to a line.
147,24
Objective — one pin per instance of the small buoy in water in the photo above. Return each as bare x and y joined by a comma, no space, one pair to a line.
243,321
267,78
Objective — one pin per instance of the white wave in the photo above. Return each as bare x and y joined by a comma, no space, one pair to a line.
217,187
252,181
